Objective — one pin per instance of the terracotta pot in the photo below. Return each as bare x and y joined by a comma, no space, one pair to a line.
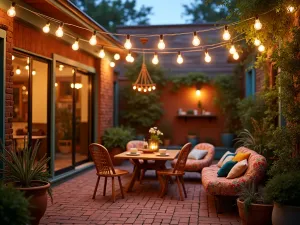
285,215
37,199
65,146
112,153
167,142
258,214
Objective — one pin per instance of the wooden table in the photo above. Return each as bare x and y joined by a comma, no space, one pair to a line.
159,163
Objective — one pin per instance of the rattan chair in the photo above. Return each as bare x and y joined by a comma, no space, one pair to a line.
178,171
105,169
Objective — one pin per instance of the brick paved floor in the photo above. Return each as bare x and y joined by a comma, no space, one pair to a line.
73,203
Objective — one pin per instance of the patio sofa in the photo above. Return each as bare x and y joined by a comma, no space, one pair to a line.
221,186
193,165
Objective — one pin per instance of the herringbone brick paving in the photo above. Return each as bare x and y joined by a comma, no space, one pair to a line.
73,203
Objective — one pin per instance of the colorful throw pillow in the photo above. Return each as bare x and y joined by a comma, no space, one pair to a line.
241,156
228,157
222,159
197,154
225,169
238,169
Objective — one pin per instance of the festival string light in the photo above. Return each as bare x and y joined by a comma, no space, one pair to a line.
257,24
46,28
232,50
207,57
261,48
128,44
117,56
11,12
179,58
59,32
101,53
257,42
161,44
155,60
226,34
75,46
196,41
93,39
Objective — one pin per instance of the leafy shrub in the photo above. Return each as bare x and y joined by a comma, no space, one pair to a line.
189,79
284,189
117,137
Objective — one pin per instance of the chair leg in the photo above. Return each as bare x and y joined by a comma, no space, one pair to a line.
162,184
179,188
182,182
143,171
104,188
121,188
113,189
97,183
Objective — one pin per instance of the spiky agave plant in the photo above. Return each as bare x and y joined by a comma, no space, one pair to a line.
249,195
22,167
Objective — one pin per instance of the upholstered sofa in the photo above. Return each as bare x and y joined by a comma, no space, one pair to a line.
193,165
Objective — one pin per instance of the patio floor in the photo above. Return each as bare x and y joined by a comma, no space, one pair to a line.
73,203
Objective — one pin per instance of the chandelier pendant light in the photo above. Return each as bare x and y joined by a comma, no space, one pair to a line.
144,82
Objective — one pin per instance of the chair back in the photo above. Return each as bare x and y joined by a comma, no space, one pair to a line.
182,158
101,159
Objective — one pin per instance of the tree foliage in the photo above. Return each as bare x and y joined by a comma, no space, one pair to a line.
112,13
190,79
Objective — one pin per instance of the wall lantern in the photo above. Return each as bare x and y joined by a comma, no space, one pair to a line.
198,89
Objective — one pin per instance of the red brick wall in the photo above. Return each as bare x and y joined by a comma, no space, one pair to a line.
259,76
6,23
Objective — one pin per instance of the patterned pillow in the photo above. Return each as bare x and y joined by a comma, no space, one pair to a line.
197,154
238,169
222,159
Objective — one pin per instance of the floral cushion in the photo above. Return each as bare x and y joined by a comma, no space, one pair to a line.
193,165
214,185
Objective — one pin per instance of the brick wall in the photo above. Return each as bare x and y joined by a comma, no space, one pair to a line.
6,23
259,76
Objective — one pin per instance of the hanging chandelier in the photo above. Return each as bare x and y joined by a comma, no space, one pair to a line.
144,82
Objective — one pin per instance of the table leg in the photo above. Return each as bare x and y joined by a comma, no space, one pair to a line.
135,175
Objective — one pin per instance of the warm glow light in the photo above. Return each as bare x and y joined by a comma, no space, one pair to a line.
77,85
145,89
161,44
128,44
196,41
139,89
24,88
290,9
134,87
198,92
12,57
11,12
93,40
179,58
75,46
117,56
56,84
149,89
261,48
102,53
232,50
46,28
236,56
61,67
33,72
153,88
257,42
59,32
257,24
226,34
155,59
112,64
207,57
27,67
129,57
18,71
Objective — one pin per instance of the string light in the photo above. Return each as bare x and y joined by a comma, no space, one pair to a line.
145,89
117,56
61,67
46,28
153,87
112,64
93,40
261,48
18,71
134,87
207,57
102,53
33,72
257,24
59,32
179,58
155,59
290,9
257,42
149,89
232,50
139,88
75,46
236,56
27,67
196,40
226,34
129,57
12,57
11,12
161,44
128,44
56,84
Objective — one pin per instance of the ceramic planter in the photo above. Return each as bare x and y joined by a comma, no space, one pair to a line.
193,139
65,146
112,153
258,214
285,215
227,139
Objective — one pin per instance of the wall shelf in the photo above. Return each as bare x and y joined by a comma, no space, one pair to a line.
186,117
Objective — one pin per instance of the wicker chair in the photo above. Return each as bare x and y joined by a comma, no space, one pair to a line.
105,169
178,171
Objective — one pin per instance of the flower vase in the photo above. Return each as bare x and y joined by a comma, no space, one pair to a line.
153,145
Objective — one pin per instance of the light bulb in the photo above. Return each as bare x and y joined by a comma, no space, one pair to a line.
33,72
257,24
196,40
129,58
75,46
112,64
153,87
18,71
139,89
236,56
261,48
102,53
93,40
179,58
117,56
12,57
226,34
56,84
161,44
149,89
257,42
128,44
61,67
134,87
198,92
232,50
11,12
27,67
155,59
145,89
59,32
46,28
290,9
207,57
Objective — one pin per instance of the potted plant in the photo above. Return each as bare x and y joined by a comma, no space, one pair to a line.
166,129
192,138
25,173
14,207
64,128
115,140
227,99
253,208
284,191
